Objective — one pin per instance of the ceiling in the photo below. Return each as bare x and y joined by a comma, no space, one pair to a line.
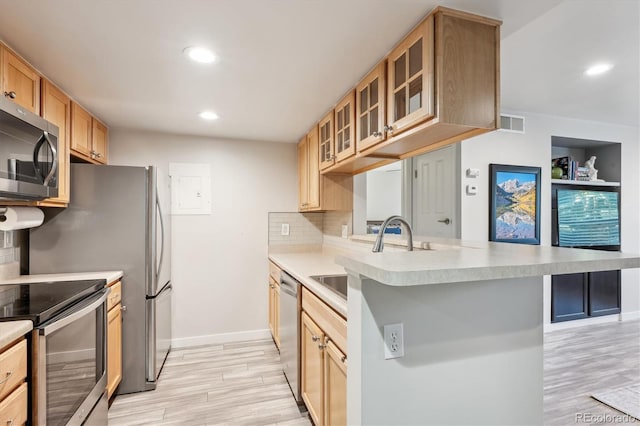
284,63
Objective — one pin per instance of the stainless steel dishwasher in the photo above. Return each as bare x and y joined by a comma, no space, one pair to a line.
290,305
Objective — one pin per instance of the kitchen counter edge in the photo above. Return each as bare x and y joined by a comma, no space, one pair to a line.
12,330
109,276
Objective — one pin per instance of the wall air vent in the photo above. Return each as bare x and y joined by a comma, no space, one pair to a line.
511,123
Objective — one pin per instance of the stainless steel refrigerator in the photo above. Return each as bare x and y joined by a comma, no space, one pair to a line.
118,220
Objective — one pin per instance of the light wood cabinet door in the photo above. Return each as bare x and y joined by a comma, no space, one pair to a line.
13,367
312,360
274,311
56,108
99,141
313,200
13,409
114,349
303,174
370,108
326,144
411,79
81,128
345,129
335,386
276,314
20,82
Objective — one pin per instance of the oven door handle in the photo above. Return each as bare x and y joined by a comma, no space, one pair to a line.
80,310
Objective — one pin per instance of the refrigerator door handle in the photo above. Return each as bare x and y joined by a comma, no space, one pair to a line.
161,238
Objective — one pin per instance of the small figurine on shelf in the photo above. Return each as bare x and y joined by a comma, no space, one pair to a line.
590,164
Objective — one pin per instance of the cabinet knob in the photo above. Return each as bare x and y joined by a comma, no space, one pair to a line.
343,359
388,129
123,308
376,134
10,422
321,346
98,155
9,373
10,95
315,338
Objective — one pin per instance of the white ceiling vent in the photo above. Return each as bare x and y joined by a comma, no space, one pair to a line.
511,123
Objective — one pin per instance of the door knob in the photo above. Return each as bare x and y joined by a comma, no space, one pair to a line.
445,221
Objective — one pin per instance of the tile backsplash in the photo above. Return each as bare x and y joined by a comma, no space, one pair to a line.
306,228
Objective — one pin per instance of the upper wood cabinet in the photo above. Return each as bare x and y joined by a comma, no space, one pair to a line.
20,82
345,128
438,86
81,128
337,133
327,149
99,140
56,108
317,192
89,137
410,85
371,108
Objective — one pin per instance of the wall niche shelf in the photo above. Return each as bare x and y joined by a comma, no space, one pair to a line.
583,182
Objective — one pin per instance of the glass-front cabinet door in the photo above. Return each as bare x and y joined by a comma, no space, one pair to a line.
327,156
370,107
411,79
345,128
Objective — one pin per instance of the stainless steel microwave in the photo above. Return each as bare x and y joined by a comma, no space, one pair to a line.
28,154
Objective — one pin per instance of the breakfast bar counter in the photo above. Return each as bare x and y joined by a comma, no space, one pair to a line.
472,331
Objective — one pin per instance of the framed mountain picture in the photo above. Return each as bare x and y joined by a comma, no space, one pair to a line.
514,204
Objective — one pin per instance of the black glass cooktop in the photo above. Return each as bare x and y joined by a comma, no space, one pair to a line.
40,302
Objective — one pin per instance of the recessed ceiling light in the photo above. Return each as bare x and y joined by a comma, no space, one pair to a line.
200,54
208,115
598,69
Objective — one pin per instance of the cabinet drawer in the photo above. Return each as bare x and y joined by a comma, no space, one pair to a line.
13,367
327,319
13,409
274,272
115,296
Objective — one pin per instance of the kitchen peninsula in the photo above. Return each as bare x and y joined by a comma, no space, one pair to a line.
472,329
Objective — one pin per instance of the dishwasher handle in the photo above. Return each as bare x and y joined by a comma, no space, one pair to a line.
288,284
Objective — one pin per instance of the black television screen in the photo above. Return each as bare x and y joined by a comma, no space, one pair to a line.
588,218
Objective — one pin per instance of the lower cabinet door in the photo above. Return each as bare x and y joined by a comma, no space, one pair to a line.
114,349
604,293
13,409
568,297
335,386
312,359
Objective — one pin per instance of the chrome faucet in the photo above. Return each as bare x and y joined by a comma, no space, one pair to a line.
379,244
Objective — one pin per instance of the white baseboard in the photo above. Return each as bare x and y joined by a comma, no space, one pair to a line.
216,339
628,316
625,316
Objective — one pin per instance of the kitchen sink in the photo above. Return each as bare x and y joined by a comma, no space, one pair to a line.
335,283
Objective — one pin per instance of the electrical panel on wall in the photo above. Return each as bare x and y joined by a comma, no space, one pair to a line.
190,188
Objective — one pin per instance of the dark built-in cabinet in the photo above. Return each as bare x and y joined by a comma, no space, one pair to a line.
583,295
592,294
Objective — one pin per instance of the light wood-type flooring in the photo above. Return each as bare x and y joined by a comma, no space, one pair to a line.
242,383
236,384
584,360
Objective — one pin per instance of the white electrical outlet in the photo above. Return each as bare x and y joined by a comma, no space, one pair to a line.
285,229
393,341
345,231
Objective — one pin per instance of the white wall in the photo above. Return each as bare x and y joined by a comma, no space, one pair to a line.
219,261
384,193
534,149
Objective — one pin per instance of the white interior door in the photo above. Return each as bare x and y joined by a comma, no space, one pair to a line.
434,193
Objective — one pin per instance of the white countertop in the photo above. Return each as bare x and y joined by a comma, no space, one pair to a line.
110,276
320,261
480,261
11,330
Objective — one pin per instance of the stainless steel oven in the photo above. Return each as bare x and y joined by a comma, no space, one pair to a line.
70,360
